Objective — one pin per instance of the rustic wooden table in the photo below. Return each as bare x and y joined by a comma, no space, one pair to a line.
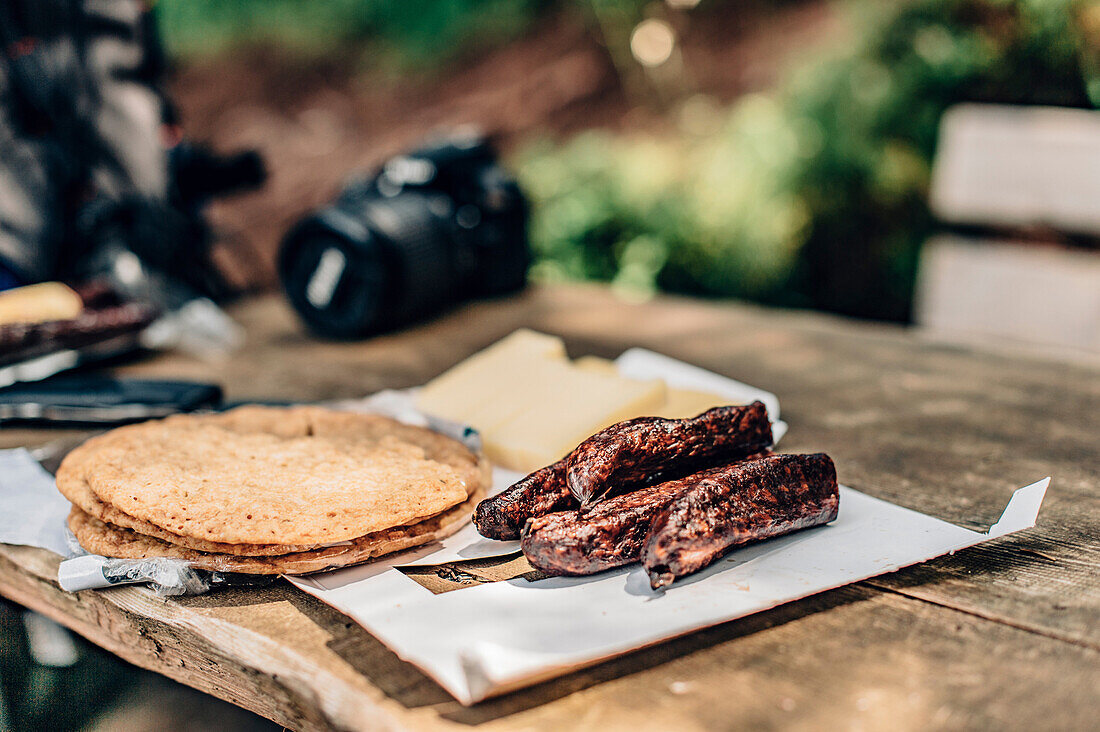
1006,634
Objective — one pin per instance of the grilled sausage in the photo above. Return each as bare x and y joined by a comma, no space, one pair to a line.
651,449
611,533
543,491
627,456
763,498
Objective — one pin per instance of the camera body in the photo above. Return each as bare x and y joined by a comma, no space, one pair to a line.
432,228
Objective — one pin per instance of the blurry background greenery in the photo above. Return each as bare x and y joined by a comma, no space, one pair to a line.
810,194
814,195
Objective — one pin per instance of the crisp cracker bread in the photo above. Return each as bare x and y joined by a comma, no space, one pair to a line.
113,541
354,427
71,483
273,476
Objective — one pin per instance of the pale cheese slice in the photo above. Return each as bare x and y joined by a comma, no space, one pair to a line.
564,406
597,364
679,403
490,386
683,403
532,405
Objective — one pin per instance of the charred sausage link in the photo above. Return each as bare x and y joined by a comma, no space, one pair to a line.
652,450
680,447
611,533
543,491
768,497
637,451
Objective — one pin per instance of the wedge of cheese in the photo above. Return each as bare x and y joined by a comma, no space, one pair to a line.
533,405
597,364
678,404
490,386
683,403
565,405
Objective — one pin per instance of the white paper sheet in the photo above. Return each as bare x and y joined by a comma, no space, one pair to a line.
32,512
490,638
487,639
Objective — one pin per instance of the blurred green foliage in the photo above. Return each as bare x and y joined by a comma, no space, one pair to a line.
814,196
811,196
406,34
711,214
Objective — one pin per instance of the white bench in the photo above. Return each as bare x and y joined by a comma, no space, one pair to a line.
1010,169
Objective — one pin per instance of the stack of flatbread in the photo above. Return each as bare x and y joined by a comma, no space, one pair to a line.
269,490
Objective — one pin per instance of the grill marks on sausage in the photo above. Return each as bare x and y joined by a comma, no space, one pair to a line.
654,449
611,533
625,457
756,500
673,494
543,491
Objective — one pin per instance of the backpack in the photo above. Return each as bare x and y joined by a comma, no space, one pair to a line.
91,160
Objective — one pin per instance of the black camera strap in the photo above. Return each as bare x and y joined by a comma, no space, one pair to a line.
52,105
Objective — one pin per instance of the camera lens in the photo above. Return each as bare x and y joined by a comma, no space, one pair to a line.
334,283
431,229
370,265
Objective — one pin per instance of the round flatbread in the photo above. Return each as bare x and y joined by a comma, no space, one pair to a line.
72,484
270,477
100,538
350,427
76,489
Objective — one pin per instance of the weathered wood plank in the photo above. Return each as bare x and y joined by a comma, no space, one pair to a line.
854,658
944,430
285,677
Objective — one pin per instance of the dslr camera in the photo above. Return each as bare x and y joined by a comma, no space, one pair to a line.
432,228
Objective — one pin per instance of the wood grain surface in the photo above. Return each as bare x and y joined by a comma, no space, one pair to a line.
1006,634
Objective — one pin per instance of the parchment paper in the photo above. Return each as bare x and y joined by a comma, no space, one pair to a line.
491,637
32,512
495,636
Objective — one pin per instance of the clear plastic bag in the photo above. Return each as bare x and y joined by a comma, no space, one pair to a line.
167,577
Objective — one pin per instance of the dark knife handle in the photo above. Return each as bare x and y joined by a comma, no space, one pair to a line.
100,400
